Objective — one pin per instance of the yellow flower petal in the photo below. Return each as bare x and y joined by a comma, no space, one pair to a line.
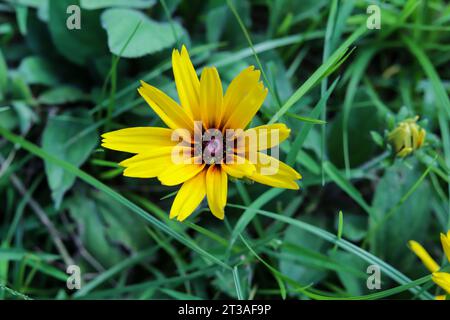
188,198
211,96
137,139
445,240
179,173
166,108
442,297
150,164
186,80
274,173
238,90
216,190
424,256
246,109
239,168
269,135
442,279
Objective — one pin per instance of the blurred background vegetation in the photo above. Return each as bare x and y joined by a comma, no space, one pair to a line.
63,200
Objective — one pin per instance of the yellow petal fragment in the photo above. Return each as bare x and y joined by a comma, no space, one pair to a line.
211,97
238,90
150,164
269,135
239,168
216,190
442,279
423,255
272,172
247,108
179,173
441,297
166,108
138,139
445,240
186,80
188,198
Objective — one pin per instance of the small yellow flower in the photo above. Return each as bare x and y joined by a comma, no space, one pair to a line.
207,113
442,279
407,137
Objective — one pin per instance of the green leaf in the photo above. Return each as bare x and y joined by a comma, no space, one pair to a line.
305,119
377,138
353,284
37,70
25,115
106,228
100,4
251,212
304,247
62,95
318,74
57,131
179,295
8,118
386,268
358,126
151,37
3,76
70,168
355,227
346,186
76,45
409,221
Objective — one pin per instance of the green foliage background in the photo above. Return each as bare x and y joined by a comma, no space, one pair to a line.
339,86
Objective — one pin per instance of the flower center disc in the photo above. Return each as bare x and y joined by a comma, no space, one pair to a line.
212,147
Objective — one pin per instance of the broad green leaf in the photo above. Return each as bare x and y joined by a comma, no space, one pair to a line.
301,245
100,4
353,284
25,114
8,118
58,130
62,95
3,76
216,18
355,227
150,37
70,168
409,221
107,230
337,177
77,45
358,127
37,70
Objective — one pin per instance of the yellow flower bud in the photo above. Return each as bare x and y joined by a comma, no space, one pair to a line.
407,137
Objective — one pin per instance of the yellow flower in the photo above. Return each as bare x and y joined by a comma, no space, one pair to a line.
407,137
442,279
220,146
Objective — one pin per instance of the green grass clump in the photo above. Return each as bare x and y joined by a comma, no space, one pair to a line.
338,85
